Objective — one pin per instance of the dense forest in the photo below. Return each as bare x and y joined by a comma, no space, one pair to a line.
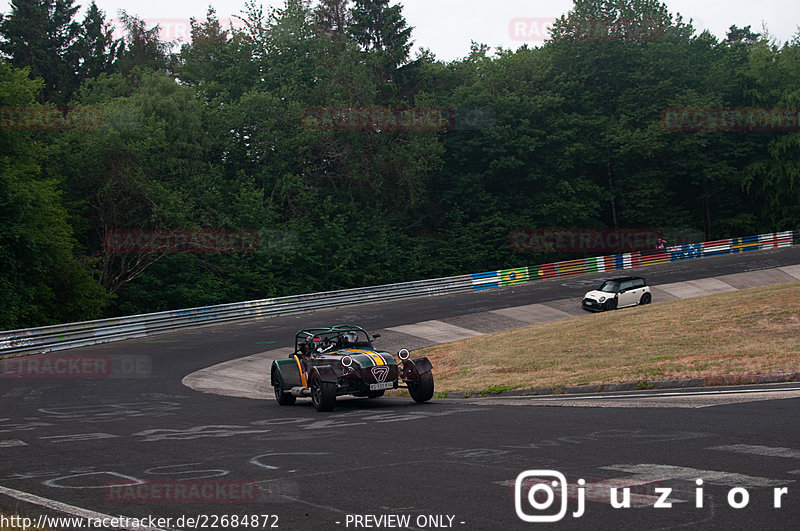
355,163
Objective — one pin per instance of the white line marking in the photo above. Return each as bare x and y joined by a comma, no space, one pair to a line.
656,395
63,507
653,472
769,451
78,437
8,443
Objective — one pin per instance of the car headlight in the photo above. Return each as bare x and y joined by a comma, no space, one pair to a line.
602,299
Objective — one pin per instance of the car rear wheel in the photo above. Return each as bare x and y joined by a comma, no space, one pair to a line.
421,389
646,298
323,394
611,304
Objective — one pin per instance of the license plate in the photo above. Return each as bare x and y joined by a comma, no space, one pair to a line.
379,386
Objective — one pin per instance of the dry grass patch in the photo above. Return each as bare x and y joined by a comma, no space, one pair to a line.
753,331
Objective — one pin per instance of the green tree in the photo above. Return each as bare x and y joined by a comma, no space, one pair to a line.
142,170
42,35
96,46
333,18
41,282
773,173
218,61
613,20
142,47
741,35
381,30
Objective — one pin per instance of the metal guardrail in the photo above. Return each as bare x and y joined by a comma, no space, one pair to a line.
73,335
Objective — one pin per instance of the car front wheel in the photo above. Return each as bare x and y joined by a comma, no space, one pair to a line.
284,399
421,389
611,304
323,394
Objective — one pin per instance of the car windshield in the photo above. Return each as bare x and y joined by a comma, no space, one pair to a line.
333,340
610,286
352,339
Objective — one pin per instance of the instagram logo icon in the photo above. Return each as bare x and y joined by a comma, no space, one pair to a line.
536,489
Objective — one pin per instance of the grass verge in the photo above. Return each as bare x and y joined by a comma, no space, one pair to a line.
746,332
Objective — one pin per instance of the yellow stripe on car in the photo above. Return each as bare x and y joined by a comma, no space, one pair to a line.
303,381
376,359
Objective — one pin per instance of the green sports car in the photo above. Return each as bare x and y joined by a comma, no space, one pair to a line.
340,360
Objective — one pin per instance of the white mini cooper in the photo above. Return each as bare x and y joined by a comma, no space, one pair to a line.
618,293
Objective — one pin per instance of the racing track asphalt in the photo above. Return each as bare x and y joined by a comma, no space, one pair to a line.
68,440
